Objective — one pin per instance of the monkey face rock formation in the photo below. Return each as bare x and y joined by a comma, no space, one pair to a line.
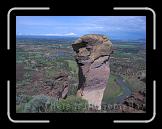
92,56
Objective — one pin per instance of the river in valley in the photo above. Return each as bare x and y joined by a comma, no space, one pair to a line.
125,91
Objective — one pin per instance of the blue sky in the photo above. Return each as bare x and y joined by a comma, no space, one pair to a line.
115,27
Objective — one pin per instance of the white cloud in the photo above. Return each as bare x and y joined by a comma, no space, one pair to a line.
58,34
19,33
51,34
122,23
70,34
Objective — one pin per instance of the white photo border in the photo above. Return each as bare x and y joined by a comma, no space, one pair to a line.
48,121
154,48
8,48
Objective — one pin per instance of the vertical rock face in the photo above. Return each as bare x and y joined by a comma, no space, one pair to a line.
92,56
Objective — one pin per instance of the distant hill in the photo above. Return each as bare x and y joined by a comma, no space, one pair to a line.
45,39
129,41
69,38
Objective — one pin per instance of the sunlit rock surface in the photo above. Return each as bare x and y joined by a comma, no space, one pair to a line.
92,56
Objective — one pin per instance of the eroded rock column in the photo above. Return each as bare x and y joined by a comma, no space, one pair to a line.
92,56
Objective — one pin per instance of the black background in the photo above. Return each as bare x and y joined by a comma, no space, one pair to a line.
60,7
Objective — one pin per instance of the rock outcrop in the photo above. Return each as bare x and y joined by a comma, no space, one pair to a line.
92,56
136,103
57,87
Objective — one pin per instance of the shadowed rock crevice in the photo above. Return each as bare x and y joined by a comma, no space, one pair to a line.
81,79
92,56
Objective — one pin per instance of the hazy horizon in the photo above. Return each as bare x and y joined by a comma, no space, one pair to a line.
53,37
115,27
